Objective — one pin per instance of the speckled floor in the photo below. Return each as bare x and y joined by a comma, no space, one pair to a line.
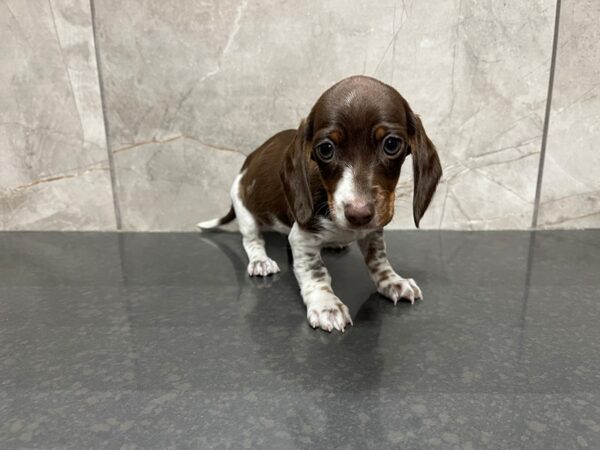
161,340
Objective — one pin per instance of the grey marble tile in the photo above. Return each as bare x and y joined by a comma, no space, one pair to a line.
553,252
188,352
53,158
37,357
191,89
249,419
558,420
42,259
571,185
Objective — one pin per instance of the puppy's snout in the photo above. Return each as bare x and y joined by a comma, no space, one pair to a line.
359,213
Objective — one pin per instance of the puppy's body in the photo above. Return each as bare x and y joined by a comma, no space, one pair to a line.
261,190
331,182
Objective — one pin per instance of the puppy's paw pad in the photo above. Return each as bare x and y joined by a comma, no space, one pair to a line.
398,287
329,314
262,268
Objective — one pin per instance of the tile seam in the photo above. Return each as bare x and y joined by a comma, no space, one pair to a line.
111,164
540,175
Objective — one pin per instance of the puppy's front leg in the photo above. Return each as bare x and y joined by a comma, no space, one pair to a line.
323,308
388,282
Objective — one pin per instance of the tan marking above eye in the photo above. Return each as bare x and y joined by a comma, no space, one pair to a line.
380,132
335,136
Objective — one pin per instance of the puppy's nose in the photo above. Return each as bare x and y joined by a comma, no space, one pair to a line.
359,213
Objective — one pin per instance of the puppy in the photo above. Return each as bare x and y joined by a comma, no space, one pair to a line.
330,182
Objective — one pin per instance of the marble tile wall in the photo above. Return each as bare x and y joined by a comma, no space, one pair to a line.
571,182
54,171
190,88
477,72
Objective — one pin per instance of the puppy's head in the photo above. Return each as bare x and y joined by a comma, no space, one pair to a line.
357,136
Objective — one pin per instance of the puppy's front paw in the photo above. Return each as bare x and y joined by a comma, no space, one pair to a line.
262,267
328,312
397,287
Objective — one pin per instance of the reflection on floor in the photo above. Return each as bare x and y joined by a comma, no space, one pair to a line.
161,340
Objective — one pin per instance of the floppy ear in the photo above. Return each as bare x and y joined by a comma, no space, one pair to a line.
294,177
427,169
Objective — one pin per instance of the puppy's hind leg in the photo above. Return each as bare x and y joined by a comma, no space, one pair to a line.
254,244
260,264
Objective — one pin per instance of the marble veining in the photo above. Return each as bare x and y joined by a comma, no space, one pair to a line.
53,161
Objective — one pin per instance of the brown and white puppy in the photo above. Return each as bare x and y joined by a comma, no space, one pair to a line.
330,182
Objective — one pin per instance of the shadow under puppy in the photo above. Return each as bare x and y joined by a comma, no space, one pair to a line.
330,182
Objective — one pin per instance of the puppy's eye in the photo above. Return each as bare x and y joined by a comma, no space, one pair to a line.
392,145
325,151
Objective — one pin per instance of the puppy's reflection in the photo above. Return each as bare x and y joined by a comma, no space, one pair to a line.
331,381
327,384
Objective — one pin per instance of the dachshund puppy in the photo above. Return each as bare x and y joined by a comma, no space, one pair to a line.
330,182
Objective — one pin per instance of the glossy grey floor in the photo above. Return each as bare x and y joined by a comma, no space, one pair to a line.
161,340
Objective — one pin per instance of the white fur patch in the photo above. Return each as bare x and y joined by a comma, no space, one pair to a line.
397,287
259,263
262,268
327,312
246,221
208,224
345,192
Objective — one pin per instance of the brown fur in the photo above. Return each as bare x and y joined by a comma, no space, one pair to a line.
286,180
261,187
